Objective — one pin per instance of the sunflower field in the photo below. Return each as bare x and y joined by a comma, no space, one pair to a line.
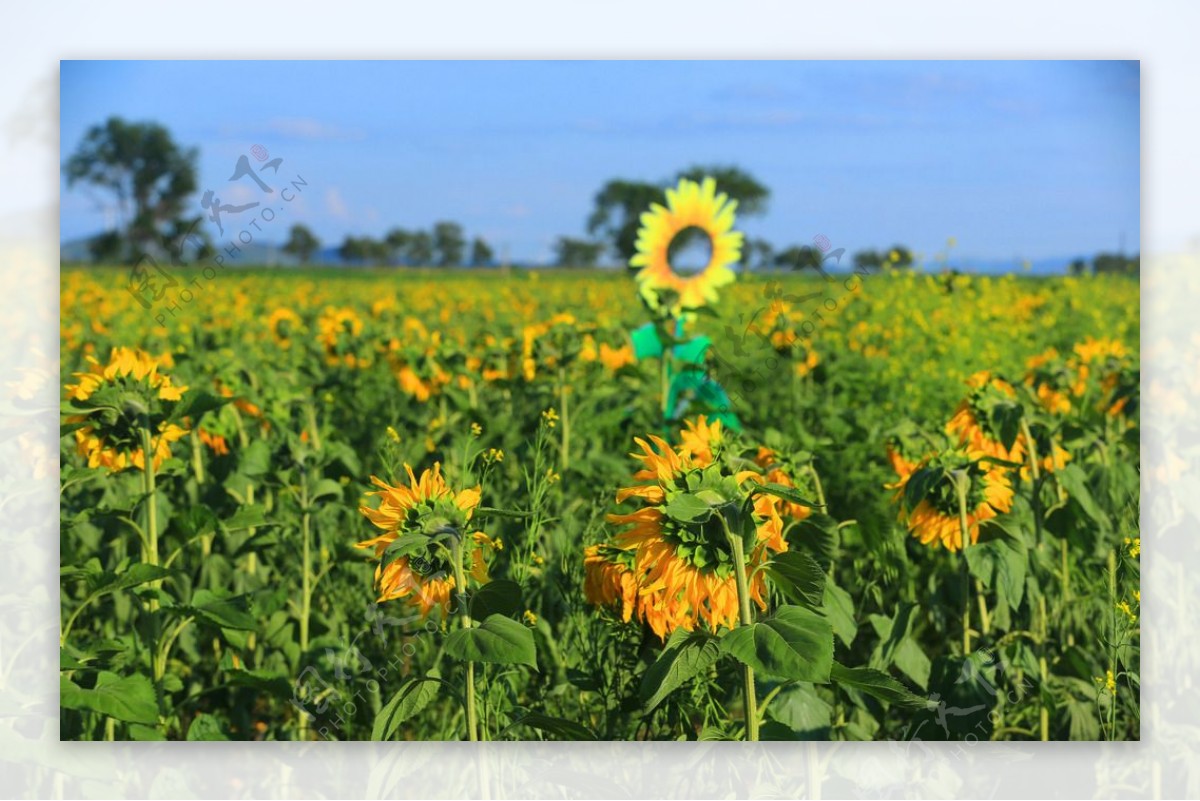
505,504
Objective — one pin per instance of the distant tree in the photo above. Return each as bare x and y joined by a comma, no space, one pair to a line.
148,173
758,254
448,243
481,253
868,260
570,252
420,249
619,204
1077,267
1115,263
397,241
109,247
799,257
898,257
301,243
359,249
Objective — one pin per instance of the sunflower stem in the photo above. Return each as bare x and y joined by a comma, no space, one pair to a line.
565,451
460,584
305,586
960,485
157,666
746,619
1043,670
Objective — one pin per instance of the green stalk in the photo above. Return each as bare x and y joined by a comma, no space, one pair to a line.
460,584
960,485
566,420
197,458
1044,711
157,666
746,619
305,586
1112,657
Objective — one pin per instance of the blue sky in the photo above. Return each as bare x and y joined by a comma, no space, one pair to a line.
1015,160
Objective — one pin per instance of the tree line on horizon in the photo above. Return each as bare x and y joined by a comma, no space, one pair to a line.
151,178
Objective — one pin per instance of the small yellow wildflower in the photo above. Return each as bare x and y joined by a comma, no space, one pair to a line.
530,618
493,455
476,429
1135,546
392,435
552,477
1124,607
551,417
538,560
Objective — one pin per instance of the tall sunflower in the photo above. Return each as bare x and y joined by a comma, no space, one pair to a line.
672,564
689,205
976,422
423,524
123,397
930,504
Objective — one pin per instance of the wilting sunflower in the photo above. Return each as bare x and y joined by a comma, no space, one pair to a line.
930,502
424,525
673,565
975,425
689,205
125,397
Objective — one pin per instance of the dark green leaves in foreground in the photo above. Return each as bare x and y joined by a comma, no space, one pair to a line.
413,696
687,655
500,639
878,685
793,644
130,699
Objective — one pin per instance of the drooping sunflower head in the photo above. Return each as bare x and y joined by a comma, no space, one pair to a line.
932,508
425,524
284,324
118,402
690,205
987,421
1053,380
702,440
337,329
674,555
609,579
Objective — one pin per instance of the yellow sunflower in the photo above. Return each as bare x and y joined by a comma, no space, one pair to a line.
133,392
689,205
283,325
971,422
423,523
681,566
929,499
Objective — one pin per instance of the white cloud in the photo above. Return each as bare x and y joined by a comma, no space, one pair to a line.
335,204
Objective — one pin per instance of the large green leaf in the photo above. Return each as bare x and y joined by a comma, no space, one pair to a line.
839,609
500,597
878,684
687,654
499,639
562,729
794,643
1000,563
413,696
205,727
222,609
129,698
799,577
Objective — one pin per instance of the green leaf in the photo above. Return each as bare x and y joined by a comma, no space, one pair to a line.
839,610
646,344
500,639
325,487
1074,481
794,643
255,460
799,577
129,698
692,351
205,728
774,731
222,609
412,697
499,597
246,517
265,681
877,684
562,729
1001,564
196,403
818,534
688,508
787,493
687,654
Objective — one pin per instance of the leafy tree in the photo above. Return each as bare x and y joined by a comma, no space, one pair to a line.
301,243
800,257
898,257
448,243
397,241
1077,267
360,249
759,254
481,253
740,185
149,174
868,260
420,249
1115,263
569,252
